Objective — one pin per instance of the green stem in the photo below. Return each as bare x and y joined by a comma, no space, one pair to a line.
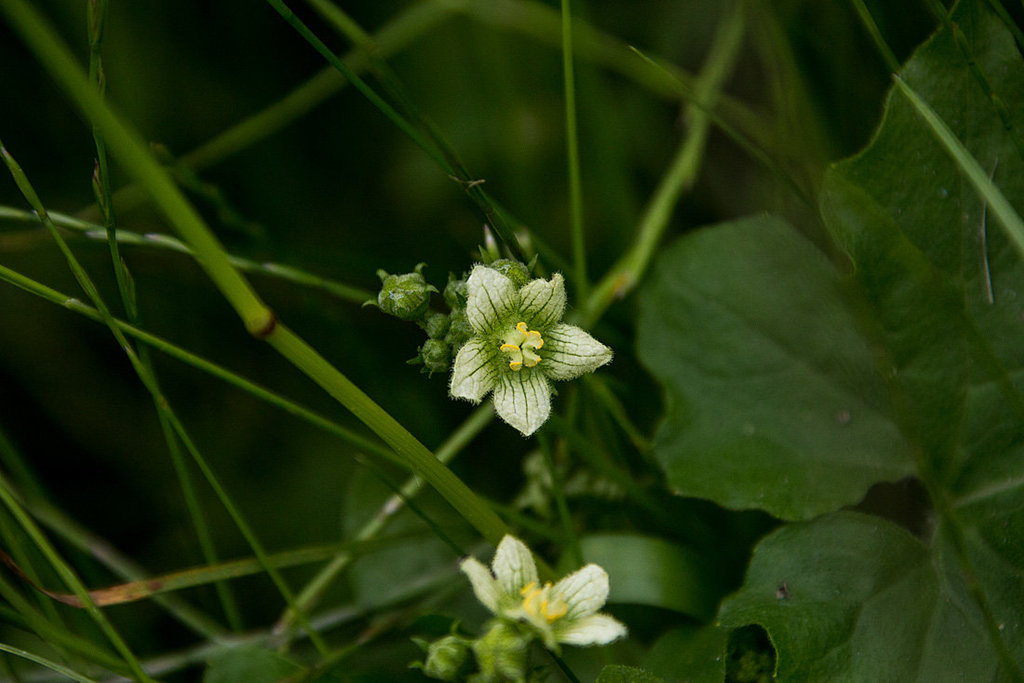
876,35
969,166
573,151
626,273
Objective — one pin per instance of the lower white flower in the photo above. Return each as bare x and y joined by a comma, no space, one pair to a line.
566,612
519,346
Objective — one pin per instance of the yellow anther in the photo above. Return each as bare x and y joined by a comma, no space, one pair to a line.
537,602
557,610
522,345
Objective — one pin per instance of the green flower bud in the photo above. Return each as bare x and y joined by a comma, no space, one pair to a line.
513,270
459,329
435,355
435,325
501,653
405,296
447,658
455,292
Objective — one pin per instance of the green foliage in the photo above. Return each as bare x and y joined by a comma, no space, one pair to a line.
822,390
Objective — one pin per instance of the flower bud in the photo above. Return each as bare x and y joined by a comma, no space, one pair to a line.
459,329
447,658
435,355
501,653
513,270
435,325
405,296
456,293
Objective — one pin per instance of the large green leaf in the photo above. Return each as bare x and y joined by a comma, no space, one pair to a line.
854,597
927,331
773,397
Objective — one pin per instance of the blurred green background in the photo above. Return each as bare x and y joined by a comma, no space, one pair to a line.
342,192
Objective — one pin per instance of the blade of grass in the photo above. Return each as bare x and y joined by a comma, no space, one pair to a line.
280,271
579,252
969,166
627,271
43,661
871,27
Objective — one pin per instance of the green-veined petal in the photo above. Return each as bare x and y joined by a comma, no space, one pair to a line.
523,399
474,372
584,591
542,302
493,299
594,629
513,566
570,352
484,586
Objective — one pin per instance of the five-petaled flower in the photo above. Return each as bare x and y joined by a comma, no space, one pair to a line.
520,344
566,612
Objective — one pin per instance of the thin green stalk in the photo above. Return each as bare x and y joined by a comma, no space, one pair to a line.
579,251
426,136
13,545
626,273
1008,22
969,166
884,50
314,590
150,383
960,40
154,240
200,363
43,661
71,580
613,406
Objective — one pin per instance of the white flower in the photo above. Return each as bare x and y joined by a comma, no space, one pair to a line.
566,612
519,346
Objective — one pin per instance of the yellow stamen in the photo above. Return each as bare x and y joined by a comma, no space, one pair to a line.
522,345
537,602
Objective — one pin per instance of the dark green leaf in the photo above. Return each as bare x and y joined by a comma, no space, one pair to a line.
854,597
773,397
690,654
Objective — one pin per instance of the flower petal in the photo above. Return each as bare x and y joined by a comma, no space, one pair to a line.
492,299
584,591
513,566
523,399
570,352
484,586
542,302
475,370
595,629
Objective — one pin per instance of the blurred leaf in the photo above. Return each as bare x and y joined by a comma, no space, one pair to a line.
773,401
690,654
251,664
649,571
854,597
627,674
